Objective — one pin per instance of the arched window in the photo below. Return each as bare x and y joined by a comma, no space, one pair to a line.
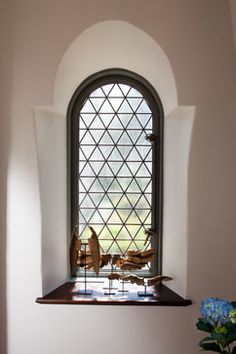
115,143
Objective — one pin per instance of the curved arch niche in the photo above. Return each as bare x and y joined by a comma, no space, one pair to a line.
112,44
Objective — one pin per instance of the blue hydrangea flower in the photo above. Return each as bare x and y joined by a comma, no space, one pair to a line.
216,310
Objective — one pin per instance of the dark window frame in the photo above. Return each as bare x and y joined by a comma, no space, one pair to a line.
75,105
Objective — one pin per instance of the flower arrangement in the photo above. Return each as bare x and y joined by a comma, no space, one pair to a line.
219,321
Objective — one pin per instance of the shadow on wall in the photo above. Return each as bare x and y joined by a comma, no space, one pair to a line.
210,204
5,105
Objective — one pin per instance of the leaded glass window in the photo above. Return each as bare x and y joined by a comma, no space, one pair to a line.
114,171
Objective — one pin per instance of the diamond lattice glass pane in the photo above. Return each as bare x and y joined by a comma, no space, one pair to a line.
135,102
140,236
86,182
123,235
125,140
115,124
133,218
87,203
86,119
97,102
143,215
115,155
106,182
124,203
115,92
142,139
96,155
134,124
143,171
106,203
87,171
105,234
106,151
105,171
96,123
88,108
115,135
105,213
97,93
86,151
133,167
115,187
86,214
96,197
96,187
87,139
143,108
142,204
124,151
96,218
107,88
96,166
142,183
124,88
115,198
134,230
116,102
134,135
115,183
134,155
97,134
106,118
125,108
124,171
106,139
125,118
114,229
134,198
134,93
115,166
124,182
144,119
107,108
114,219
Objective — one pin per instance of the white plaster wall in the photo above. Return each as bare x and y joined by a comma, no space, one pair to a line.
119,43
232,4
197,37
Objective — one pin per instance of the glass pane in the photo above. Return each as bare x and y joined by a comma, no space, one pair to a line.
115,183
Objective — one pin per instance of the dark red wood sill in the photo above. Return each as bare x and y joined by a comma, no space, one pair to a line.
68,294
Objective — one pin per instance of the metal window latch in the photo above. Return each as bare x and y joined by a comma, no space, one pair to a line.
149,233
151,138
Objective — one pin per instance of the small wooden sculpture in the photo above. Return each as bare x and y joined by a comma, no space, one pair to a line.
157,280
134,279
94,250
134,260
86,260
74,251
114,276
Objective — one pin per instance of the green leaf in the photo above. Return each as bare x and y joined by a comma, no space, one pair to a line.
219,336
211,347
204,326
206,339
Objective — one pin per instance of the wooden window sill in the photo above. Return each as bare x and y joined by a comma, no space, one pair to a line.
68,294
